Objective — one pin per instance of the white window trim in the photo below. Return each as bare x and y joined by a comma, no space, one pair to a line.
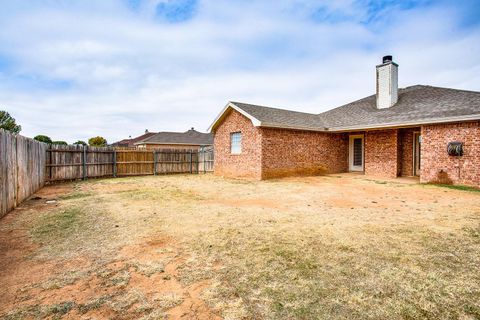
414,153
240,142
351,167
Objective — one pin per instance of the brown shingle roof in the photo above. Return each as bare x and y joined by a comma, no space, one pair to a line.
416,105
131,142
274,117
190,137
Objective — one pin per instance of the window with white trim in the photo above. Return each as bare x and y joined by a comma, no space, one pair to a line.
236,142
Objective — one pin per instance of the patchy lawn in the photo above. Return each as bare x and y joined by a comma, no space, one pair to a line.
203,247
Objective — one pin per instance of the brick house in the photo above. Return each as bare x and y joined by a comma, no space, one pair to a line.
424,131
190,139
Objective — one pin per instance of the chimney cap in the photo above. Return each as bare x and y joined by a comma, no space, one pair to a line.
387,59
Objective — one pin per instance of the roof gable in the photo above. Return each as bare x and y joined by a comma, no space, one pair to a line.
262,116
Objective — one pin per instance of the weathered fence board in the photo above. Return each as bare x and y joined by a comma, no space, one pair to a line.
205,160
22,169
99,162
79,162
64,162
177,161
31,160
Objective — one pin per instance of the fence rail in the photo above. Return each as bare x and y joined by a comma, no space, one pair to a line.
26,165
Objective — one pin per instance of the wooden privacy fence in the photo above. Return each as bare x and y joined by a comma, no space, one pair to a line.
26,165
22,169
78,162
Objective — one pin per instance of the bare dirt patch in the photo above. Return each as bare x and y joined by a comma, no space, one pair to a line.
51,269
203,247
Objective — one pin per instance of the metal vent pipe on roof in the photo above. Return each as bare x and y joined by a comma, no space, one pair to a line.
387,59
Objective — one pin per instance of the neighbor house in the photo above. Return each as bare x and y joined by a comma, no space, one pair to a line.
191,139
130,142
424,131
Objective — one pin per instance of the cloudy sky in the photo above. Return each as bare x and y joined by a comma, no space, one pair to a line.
74,69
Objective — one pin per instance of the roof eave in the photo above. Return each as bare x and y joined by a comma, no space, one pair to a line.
375,126
281,126
176,143
407,123
231,105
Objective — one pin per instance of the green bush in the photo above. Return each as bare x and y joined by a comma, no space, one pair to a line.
43,138
97,142
80,142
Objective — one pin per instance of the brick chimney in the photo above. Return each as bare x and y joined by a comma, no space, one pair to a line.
387,83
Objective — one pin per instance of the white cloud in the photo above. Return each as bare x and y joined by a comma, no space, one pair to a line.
87,68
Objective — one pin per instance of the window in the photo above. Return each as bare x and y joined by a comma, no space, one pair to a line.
357,151
236,142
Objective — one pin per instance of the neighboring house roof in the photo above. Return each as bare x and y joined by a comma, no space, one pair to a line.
131,142
123,142
416,105
190,137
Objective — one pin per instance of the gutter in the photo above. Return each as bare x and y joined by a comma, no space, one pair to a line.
408,123
375,126
176,143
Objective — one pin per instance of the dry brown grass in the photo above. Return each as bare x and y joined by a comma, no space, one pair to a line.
301,248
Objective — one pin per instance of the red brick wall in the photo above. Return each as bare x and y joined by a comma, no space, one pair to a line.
247,164
437,166
381,153
268,152
293,152
406,151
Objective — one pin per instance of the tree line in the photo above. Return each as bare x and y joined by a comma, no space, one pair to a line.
7,122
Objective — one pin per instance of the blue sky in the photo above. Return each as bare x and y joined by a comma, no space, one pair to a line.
75,69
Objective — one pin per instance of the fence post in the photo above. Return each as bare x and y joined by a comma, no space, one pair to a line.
84,162
17,187
204,154
114,163
154,162
191,164
50,161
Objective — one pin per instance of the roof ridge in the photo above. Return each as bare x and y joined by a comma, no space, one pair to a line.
275,108
437,87
346,104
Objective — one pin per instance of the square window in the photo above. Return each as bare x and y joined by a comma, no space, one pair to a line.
236,142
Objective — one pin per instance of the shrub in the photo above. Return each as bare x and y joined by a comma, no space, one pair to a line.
97,141
80,142
43,138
